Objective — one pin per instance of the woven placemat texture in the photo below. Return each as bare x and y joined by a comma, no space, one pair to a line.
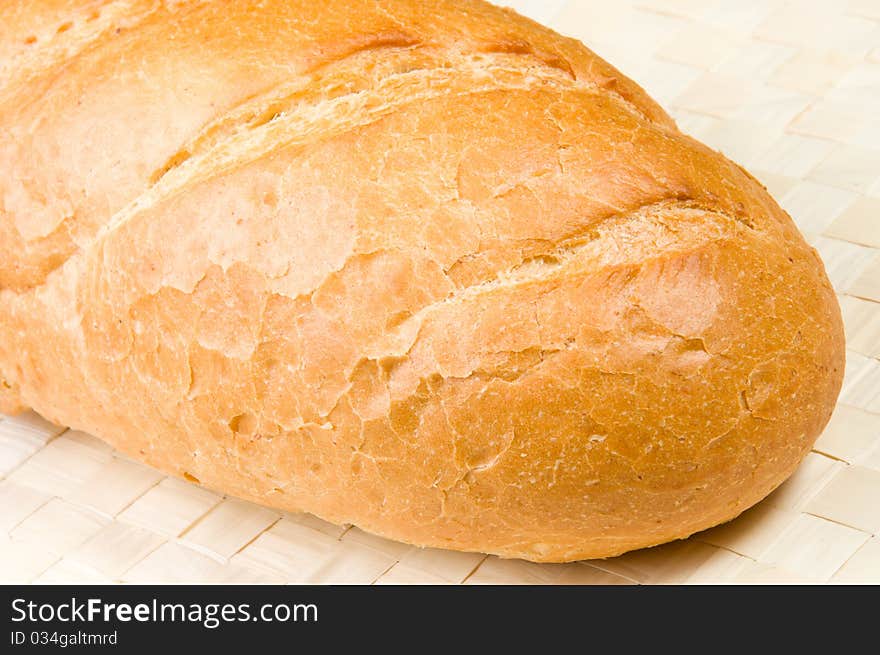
791,90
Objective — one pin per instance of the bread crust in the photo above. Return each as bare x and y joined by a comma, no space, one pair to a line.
430,269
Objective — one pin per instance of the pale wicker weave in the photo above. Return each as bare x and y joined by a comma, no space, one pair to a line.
789,89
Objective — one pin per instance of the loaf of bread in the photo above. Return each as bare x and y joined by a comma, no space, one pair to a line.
424,267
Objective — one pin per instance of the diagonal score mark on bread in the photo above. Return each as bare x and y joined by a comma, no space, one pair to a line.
307,110
283,120
49,221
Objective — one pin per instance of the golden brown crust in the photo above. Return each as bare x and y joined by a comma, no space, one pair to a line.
433,270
